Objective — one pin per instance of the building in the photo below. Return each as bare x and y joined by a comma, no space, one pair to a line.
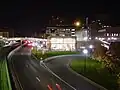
6,32
82,35
61,35
62,43
68,31
61,38
110,33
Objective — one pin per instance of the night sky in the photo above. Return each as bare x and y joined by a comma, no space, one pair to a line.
30,16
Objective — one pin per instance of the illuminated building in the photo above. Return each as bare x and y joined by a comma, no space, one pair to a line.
6,32
63,43
61,38
109,32
61,31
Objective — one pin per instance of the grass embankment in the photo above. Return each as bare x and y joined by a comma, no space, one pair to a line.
40,55
95,71
4,74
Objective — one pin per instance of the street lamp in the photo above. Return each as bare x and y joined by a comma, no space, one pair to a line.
85,51
77,23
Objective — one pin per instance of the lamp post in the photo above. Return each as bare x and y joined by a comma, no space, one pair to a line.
85,52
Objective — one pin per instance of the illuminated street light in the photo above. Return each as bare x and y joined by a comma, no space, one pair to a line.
77,23
85,51
91,46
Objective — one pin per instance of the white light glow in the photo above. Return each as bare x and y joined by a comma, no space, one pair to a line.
91,46
82,47
85,38
90,38
73,29
108,38
107,34
96,37
77,23
85,51
63,44
112,37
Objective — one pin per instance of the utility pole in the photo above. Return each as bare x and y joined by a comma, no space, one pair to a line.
87,27
86,22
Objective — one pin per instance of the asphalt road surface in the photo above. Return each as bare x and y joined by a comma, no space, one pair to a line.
30,75
59,66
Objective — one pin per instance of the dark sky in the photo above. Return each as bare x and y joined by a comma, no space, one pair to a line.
27,16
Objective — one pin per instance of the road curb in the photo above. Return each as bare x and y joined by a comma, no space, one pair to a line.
53,57
85,78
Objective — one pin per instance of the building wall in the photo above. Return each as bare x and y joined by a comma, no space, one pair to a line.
62,43
109,32
4,34
60,31
81,35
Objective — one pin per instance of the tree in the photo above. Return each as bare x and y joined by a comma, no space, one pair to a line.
114,49
99,51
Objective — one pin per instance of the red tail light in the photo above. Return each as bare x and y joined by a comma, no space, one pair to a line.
58,87
49,87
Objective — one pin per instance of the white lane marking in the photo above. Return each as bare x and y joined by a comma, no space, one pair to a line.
57,76
38,79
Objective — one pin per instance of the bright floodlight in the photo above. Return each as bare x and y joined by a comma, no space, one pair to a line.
85,51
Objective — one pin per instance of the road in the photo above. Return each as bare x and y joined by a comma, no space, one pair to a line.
60,67
30,75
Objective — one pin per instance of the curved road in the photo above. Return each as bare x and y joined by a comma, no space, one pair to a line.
30,75
33,76
59,66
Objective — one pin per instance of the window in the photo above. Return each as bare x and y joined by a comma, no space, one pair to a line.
107,34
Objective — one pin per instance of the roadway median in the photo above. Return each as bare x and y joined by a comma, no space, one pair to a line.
94,71
40,55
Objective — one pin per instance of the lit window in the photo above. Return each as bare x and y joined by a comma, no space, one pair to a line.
72,32
73,35
67,29
112,34
116,34
73,29
107,34
63,29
